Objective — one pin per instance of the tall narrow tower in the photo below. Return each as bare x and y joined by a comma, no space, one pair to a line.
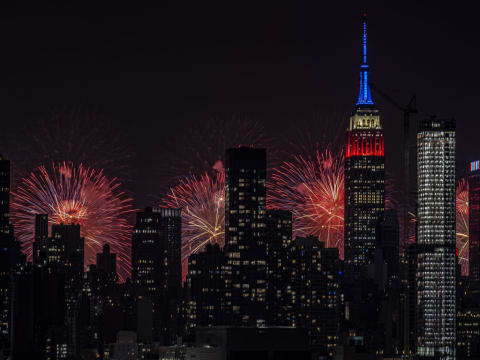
436,244
364,177
245,222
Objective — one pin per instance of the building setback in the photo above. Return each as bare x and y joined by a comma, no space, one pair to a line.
364,178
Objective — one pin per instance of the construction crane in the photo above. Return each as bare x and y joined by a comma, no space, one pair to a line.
410,108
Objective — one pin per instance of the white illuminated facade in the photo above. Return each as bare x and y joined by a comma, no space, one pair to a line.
435,278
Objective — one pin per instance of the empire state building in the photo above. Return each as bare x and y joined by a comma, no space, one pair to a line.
364,177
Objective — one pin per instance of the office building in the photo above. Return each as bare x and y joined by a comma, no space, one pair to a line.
364,178
206,288
278,241
245,216
314,272
436,241
156,266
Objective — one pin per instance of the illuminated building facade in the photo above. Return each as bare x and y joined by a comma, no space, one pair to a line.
279,239
206,287
245,216
364,178
314,278
474,222
468,334
436,245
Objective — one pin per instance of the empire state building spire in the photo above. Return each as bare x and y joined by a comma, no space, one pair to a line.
364,95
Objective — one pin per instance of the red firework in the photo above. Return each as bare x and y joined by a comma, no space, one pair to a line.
202,200
313,190
462,224
81,195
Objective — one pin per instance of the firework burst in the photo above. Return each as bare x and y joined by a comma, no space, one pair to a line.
202,200
72,134
313,190
462,224
76,194
204,147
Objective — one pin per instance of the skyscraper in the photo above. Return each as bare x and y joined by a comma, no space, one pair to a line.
5,226
156,264
314,277
279,239
474,222
107,265
10,254
388,240
364,177
206,287
436,243
245,213
41,238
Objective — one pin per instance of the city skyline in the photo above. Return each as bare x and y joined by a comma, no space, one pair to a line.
259,238
226,62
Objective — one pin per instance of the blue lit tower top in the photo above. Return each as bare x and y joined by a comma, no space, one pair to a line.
364,95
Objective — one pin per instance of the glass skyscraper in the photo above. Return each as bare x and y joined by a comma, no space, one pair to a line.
436,246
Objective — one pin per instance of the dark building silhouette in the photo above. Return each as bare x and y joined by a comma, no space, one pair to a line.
389,242
40,243
245,217
278,240
107,265
267,343
49,312
22,309
6,228
206,288
10,255
38,312
315,272
66,249
156,266
364,178
436,241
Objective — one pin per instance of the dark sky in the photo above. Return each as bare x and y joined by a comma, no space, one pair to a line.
156,71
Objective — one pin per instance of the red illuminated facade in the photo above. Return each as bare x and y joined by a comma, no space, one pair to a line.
365,143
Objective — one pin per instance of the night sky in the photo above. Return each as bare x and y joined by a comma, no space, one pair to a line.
154,72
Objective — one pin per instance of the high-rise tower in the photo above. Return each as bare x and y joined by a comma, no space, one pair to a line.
245,222
436,245
364,177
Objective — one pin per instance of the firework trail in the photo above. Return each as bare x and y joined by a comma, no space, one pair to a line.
313,190
73,135
204,146
462,224
76,194
202,200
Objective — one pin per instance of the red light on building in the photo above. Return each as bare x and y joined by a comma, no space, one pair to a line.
365,143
